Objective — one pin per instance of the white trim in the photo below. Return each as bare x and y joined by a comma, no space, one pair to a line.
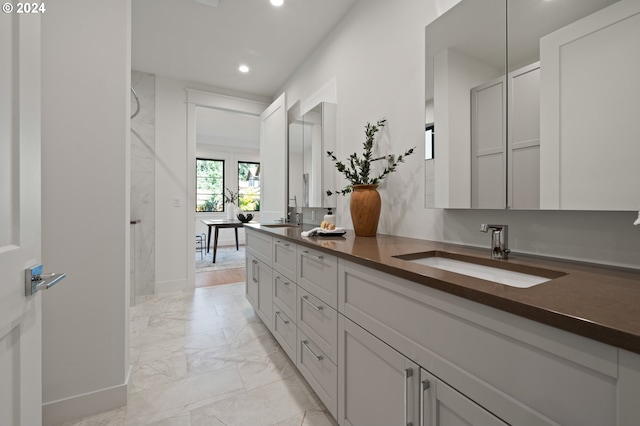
327,93
229,103
75,407
176,285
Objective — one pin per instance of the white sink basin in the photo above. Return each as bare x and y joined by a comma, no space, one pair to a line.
454,263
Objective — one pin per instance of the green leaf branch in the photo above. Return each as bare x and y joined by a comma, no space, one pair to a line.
230,196
357,170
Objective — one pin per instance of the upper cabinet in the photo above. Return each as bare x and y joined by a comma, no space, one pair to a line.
311,174
533,103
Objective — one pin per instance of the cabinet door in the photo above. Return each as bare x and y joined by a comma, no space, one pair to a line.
441,405
260,288
377,386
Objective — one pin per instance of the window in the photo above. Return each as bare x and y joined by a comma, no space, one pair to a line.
209,185
249,186
429,141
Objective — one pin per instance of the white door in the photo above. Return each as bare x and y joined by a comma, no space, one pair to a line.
273,161
20,316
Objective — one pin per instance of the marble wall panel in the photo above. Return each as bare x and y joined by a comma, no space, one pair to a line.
143,183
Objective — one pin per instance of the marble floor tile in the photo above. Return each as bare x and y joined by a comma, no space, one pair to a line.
263,406
203,357
309,418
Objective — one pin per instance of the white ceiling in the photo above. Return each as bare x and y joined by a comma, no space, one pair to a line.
191,41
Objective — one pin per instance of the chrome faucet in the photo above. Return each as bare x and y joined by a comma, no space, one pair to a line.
499,240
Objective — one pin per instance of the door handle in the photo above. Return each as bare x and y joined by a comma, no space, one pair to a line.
407,374
426,384
36,280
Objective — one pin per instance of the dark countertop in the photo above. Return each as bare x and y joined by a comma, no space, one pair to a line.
594,301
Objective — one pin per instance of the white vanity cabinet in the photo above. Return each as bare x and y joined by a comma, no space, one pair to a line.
382,350
523,372
379,386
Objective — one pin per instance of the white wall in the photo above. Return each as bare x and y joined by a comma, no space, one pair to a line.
376,56
171,184
85,206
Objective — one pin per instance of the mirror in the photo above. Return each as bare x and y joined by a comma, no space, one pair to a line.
496,109
311,135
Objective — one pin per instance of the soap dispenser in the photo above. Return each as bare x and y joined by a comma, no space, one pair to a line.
330,218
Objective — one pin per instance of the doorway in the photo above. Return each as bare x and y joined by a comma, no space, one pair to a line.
227,130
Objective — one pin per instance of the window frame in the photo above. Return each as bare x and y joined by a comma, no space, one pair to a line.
222,193
239,180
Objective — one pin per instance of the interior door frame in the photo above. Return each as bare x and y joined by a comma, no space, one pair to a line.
21,247
195,99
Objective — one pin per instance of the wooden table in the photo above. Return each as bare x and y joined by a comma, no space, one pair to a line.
217,224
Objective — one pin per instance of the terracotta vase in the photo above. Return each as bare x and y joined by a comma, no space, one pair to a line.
365,206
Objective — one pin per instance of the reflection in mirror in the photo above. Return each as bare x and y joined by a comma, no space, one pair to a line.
295,164
529,22
500,143
465,48
311,135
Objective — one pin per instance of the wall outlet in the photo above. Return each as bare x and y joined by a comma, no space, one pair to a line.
176,202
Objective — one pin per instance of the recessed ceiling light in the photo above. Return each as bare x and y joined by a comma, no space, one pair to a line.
243,68
277,2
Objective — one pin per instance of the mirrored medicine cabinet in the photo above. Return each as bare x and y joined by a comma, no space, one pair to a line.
534,105
311,173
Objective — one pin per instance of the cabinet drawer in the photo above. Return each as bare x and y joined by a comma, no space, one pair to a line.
318,321
319,371
260,245
284,292
285,331
318,274
284,258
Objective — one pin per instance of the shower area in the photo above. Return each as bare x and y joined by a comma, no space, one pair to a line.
142,185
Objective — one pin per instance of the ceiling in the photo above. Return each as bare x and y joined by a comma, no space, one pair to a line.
199,43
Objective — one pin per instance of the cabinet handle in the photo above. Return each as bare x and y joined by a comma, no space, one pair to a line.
318,357
279,316
253,270
282,244
317,308
312,255
426,384
283,282
407,373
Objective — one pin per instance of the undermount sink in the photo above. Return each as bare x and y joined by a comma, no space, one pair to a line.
485,269
280,225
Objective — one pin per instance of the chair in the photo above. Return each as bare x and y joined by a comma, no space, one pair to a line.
200,239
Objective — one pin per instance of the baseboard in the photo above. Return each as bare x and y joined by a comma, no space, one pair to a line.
64,410
174,285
